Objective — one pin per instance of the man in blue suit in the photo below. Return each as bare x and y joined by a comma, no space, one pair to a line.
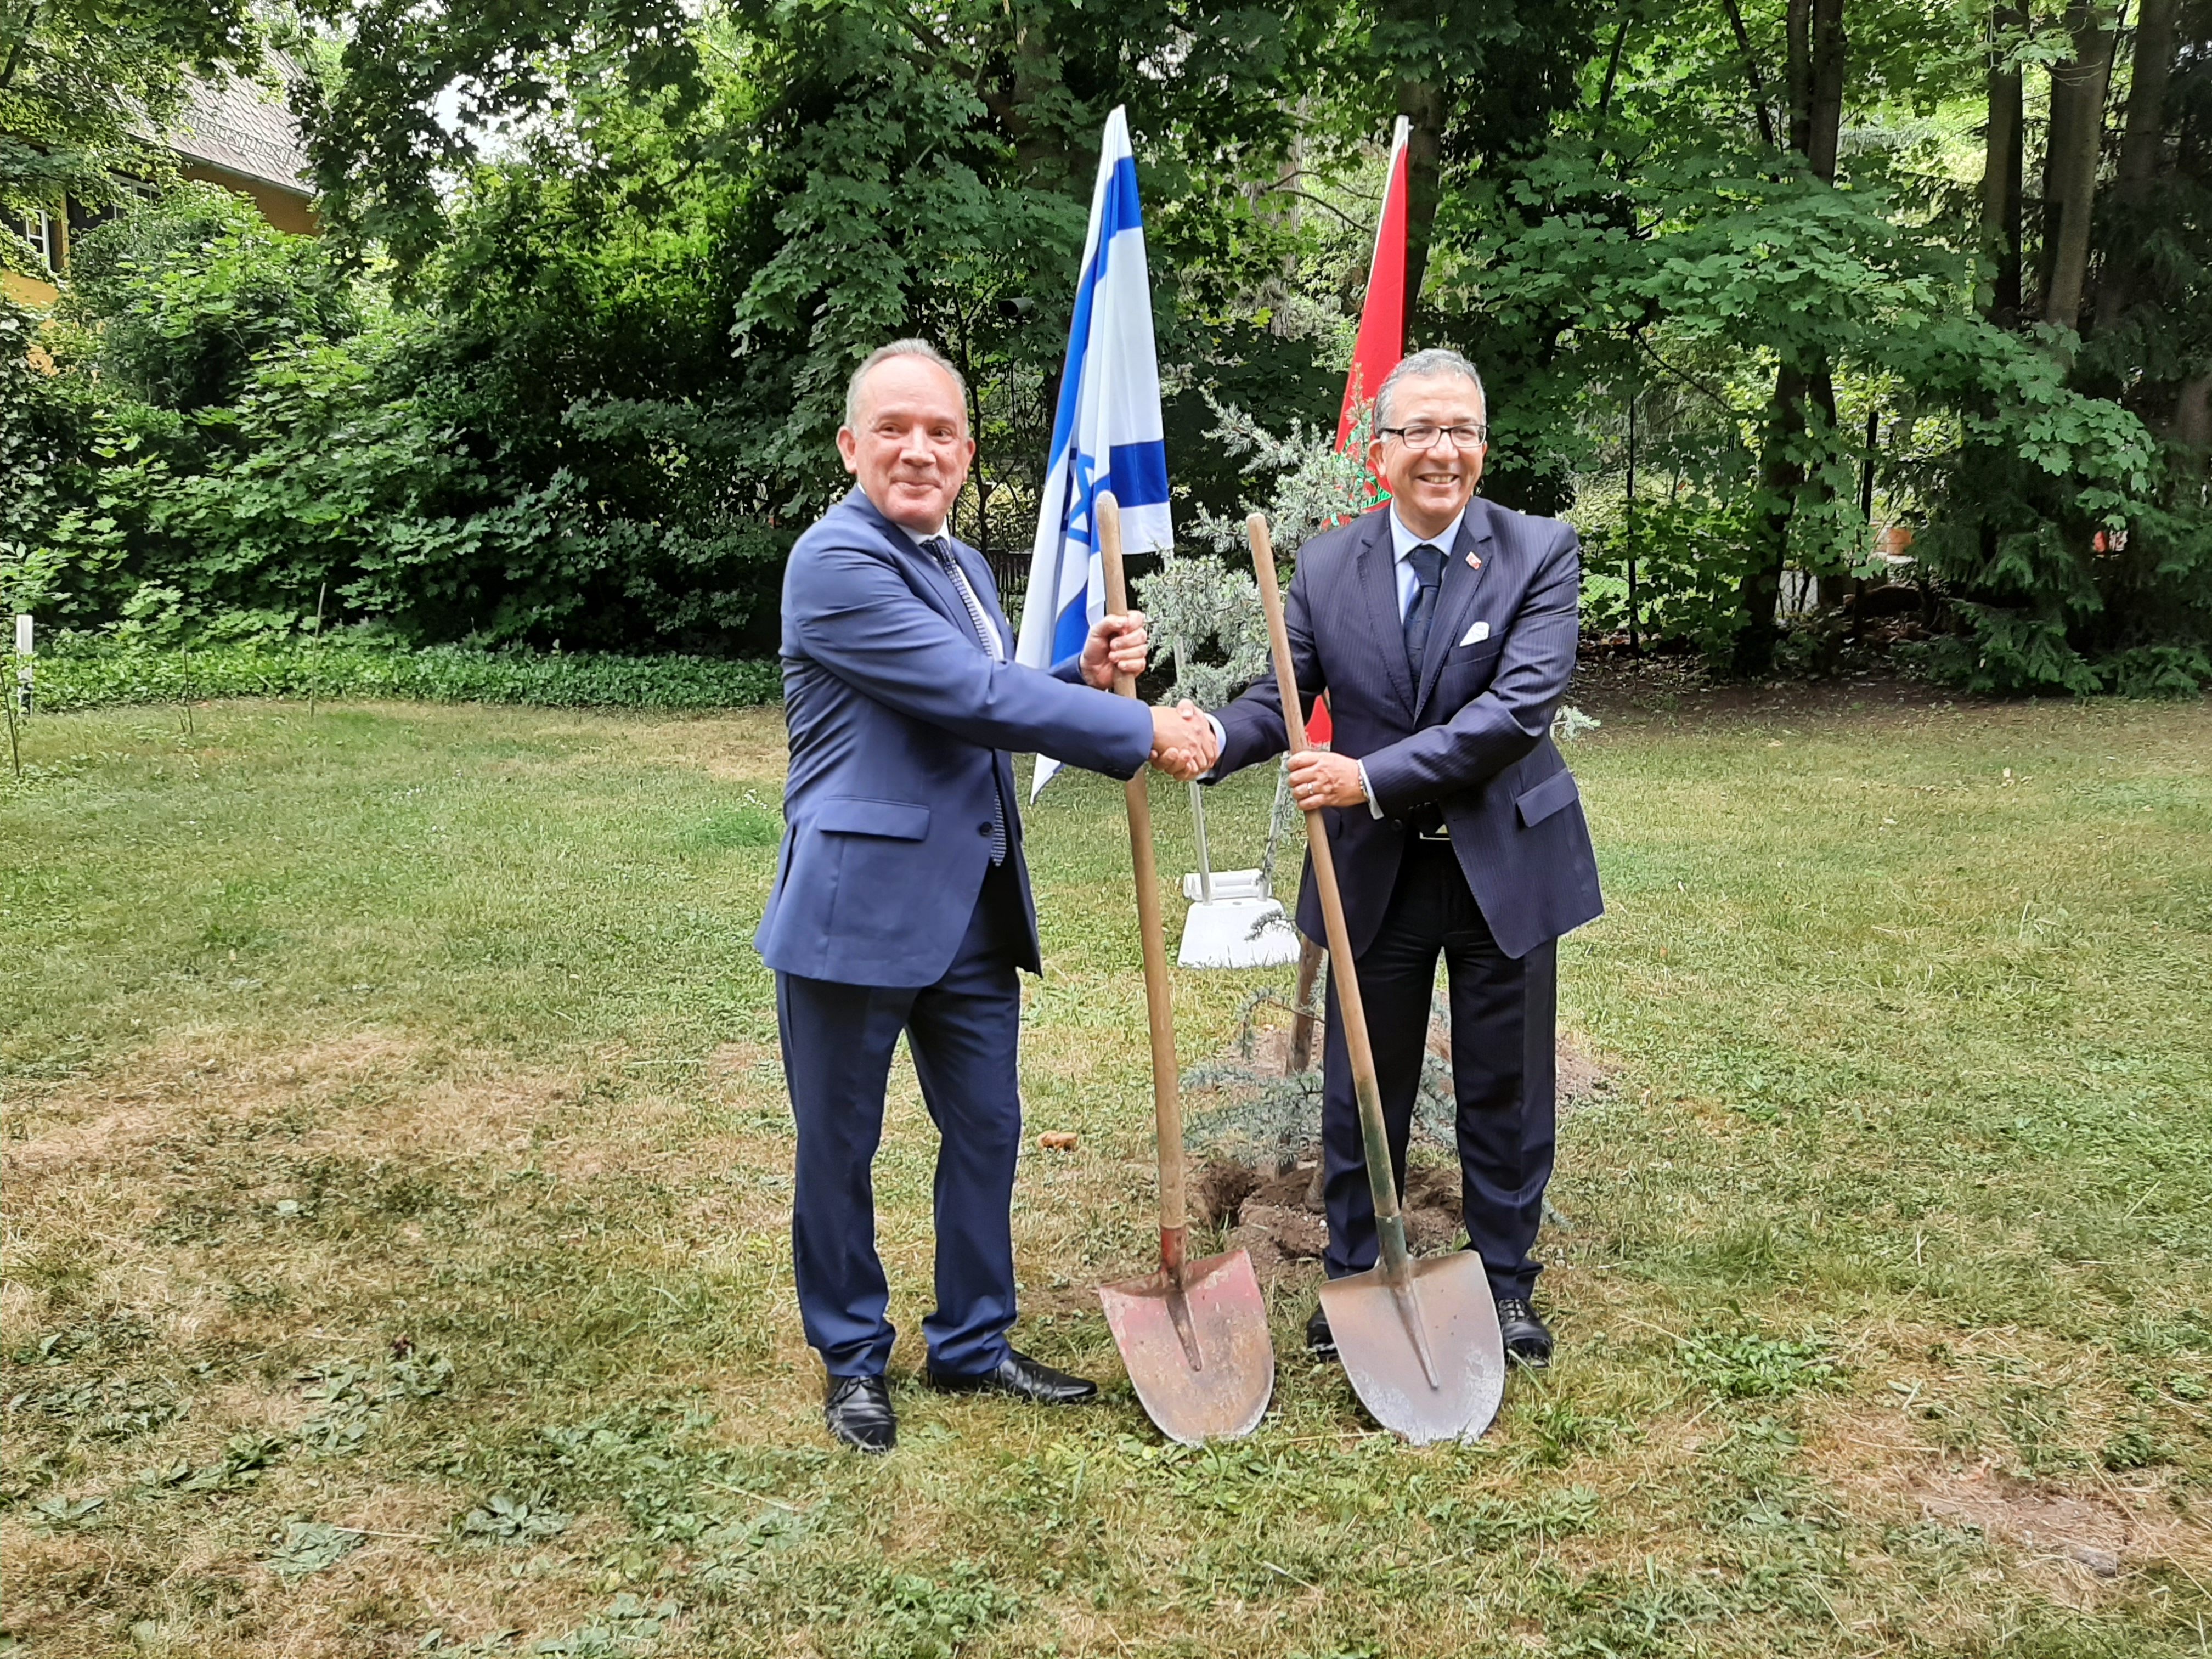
900,901
1443,628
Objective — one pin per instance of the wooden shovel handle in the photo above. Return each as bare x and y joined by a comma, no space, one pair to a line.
1381,1176
1167,1093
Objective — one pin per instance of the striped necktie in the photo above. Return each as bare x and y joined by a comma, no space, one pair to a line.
988,637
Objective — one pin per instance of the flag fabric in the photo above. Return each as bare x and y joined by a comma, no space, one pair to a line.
1381,340
1106,432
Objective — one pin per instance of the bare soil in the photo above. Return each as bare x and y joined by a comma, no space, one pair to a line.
1275,1211
1618,688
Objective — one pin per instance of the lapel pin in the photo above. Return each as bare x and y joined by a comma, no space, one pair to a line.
1472,563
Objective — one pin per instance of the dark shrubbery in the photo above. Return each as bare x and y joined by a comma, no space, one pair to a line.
581,392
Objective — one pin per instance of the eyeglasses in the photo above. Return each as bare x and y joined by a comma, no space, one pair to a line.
1473,436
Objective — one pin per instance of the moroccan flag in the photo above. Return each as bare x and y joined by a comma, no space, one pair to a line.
1383,321
1382,330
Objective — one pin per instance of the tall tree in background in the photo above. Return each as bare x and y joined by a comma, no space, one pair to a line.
639,244
2074,145
2004,154
1803,382
1477,83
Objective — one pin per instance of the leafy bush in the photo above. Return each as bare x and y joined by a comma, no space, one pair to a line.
1690,557
187,297
98,673
229,432
2007,653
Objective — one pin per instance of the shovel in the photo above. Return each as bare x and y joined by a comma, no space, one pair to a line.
1419,1340
1195,1335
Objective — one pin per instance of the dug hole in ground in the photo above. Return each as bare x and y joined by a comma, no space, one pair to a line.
1255,1126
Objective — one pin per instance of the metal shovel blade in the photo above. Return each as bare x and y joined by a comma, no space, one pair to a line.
1198,1352
1449,1392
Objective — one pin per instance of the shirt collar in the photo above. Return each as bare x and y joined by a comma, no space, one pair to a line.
1404,540
922,538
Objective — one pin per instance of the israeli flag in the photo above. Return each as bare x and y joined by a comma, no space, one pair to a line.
1106,433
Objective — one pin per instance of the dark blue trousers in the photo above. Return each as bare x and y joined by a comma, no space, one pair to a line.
837,1046
1502,1019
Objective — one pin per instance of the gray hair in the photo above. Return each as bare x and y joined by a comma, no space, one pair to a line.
1421,366
921,349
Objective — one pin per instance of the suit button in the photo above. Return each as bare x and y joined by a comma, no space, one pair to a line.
984,828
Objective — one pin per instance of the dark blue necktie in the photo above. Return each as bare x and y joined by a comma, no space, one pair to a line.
988,637
1428,564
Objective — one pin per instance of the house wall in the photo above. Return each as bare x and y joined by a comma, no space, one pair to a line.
289,211
28,290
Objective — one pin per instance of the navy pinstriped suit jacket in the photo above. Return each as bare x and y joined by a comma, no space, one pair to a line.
1472,737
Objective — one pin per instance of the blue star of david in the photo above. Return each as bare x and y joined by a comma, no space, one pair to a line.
1083,486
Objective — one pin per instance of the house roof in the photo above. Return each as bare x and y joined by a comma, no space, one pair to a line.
242,127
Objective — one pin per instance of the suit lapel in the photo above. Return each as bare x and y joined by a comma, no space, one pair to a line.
1378,581
1461,582
936,586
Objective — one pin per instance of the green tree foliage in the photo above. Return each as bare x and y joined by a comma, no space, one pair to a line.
183,300
568,364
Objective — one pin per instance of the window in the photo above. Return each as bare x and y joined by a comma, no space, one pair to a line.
44,233
84,216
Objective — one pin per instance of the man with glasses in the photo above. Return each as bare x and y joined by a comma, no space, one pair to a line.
1443,628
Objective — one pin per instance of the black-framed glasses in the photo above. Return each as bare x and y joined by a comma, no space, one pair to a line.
1472,435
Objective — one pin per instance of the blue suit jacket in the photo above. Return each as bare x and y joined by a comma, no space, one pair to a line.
900,724
1472,737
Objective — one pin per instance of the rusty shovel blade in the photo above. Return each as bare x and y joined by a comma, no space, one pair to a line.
1197,1349
1424,1355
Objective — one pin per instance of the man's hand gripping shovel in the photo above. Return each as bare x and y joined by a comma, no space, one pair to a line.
1419,1340
1195,1335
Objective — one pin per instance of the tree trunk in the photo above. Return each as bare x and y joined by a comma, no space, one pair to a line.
1635,644
1779,478
1612,71
1750,73
1825,88
1035,75
1422,103
1818,54
2003,157
2142,149
2144,139
2192,423
1797,73
2077,131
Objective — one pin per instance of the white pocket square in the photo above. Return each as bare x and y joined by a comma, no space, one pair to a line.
1476,634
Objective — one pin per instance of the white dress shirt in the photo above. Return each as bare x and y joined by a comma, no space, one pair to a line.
1405,541
995,646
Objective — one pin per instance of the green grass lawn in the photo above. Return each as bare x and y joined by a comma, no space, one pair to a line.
397,1172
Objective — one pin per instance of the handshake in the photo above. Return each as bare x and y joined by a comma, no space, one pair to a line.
1182,742
1184,745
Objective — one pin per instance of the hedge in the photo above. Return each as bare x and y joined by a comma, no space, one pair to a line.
98,674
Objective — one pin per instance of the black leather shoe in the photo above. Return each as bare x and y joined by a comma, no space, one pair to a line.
1320,1342
859,1413
1020,1375
1527,1338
